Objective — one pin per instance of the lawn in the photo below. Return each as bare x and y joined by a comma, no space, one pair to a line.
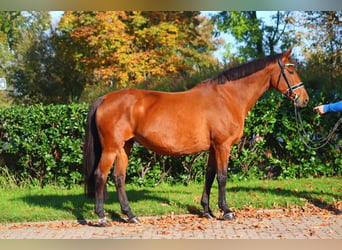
57,203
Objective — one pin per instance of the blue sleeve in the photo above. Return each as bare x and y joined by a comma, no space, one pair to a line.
333,107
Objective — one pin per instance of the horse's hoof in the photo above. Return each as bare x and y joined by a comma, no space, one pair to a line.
229,216
133,220
208,216
102,222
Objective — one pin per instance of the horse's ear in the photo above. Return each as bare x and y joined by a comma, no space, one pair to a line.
287,54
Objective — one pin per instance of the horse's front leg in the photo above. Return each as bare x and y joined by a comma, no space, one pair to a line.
209,179
222,155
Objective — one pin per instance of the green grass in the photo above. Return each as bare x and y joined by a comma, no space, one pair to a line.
55,203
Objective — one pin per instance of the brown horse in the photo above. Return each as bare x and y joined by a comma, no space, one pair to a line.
209,116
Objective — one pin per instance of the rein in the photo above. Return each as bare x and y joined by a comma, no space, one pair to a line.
324,141
289,93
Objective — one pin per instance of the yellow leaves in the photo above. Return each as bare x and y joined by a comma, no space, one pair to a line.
290,20
133,46
137,19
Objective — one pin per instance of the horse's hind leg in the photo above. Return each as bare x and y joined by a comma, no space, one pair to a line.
209,179
119,179
101,173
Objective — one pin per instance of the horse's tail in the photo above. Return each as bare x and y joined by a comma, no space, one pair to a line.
91,150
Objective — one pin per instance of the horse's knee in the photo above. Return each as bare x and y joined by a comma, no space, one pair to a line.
100,177
222,179
119,181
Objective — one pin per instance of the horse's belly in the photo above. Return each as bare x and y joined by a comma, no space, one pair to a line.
171,127
181,144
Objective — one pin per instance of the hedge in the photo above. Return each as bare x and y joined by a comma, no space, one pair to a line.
43,144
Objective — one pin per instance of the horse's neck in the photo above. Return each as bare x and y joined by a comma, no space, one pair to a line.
246,91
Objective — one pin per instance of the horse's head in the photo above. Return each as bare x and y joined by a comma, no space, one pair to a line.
288,82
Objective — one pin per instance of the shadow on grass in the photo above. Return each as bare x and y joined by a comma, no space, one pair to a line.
80,206
307,195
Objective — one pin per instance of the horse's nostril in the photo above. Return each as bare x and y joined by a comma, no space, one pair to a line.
302,102
305,101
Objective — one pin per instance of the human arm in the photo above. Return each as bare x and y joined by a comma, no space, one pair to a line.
332,107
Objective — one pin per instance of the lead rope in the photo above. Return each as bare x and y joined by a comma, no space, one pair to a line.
324,140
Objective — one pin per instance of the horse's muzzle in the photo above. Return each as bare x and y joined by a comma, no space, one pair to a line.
301,102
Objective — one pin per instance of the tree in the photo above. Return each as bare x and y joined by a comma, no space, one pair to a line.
111,49
41,70
9,21
19,33
6,40
123,48
257,38
319,34
27,71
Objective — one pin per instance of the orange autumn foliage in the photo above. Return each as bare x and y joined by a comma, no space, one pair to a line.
123,48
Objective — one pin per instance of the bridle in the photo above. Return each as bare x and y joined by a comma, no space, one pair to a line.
290,94
290,90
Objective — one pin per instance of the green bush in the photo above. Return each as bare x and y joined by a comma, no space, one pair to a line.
148,168
273,145
43,144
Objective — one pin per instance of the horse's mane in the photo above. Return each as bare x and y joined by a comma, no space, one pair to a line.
244,70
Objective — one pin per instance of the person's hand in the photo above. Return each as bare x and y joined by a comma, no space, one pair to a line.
319,109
